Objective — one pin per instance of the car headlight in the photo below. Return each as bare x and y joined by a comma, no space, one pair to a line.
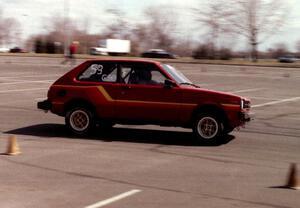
245,104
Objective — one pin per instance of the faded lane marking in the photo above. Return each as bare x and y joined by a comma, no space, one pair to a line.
29,76
264,98
204,84
114,199
40,99
248,90
23,82
23,90
277,102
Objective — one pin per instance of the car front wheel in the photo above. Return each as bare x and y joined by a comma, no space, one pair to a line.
80,120
208,128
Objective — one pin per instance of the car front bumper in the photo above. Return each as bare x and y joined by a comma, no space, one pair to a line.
44,105
246,116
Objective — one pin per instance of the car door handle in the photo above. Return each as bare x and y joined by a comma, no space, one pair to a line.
125,87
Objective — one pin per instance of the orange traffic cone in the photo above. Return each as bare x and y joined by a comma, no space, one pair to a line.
13,147
292,181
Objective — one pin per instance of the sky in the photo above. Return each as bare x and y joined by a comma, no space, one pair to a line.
33,14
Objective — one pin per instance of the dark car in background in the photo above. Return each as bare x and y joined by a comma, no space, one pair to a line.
158,53
16,50
287,59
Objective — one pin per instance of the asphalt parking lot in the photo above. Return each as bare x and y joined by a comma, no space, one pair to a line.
149,166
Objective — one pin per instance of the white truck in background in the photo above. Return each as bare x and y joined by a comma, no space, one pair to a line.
113,47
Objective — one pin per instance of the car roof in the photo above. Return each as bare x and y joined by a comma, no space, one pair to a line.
125,60
156,50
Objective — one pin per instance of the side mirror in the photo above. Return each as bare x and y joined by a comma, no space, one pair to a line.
169,83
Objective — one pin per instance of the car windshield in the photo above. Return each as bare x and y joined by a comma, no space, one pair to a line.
177,75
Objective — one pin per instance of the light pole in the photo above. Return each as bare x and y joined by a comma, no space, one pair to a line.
66,27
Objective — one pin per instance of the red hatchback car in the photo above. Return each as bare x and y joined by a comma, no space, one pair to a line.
107,92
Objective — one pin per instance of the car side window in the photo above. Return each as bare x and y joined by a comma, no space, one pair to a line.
141,74
100,72
158,77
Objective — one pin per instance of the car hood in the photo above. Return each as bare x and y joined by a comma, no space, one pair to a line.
214,95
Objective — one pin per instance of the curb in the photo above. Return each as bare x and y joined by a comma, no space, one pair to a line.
79,56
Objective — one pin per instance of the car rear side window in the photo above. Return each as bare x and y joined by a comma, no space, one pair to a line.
100,72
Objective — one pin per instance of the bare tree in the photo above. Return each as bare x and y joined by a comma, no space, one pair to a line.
139,38
213,16
86,40
119,27
298,47
55,33
161,27
256,20
280,49
54,27
9,29
157,30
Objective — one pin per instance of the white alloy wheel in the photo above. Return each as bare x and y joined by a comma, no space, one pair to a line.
79,120
207,127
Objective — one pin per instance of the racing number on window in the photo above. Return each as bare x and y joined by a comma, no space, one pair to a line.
100,73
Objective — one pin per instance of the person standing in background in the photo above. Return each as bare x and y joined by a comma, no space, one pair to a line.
71,57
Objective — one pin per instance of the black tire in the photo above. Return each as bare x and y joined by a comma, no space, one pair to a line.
208,128
228,130
80,120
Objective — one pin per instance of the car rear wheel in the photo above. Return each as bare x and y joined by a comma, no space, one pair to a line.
208,128
80,120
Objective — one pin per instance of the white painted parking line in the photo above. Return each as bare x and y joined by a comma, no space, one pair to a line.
114,199
277,102
40,99
23,82
30,76
248,90
224,74
264,98
40,64
22,90
204,84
